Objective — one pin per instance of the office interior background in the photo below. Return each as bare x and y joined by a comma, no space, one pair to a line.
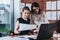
10,11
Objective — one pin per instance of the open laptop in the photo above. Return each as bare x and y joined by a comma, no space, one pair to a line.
46,31
24,27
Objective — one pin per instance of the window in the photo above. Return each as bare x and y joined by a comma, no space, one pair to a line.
5,16
53,10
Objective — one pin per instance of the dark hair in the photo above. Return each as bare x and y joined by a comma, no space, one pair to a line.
35,4
26,8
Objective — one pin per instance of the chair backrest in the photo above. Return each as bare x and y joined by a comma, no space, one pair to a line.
0,34
46,31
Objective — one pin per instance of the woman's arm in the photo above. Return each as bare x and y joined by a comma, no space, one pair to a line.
16,31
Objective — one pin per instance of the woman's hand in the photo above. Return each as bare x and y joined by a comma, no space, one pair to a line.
16,32
32,32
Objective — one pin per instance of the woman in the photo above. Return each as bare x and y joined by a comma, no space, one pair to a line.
23,19
37,17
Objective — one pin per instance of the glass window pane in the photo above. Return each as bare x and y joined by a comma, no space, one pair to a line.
29,5
48,15
58,15
21,6
53,15
1,13
5,16
4,1
53,5
48,5
58,5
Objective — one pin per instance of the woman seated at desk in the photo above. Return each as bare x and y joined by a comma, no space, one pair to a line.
37,16
23,19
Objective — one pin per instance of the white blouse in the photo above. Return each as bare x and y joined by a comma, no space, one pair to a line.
38,20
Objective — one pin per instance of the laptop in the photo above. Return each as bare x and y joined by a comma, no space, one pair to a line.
46,31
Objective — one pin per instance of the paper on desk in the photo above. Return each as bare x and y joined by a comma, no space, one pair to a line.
58,38
12,38
29,36
56,35
24,27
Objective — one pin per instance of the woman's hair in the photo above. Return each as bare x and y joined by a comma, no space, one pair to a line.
35,4
26,8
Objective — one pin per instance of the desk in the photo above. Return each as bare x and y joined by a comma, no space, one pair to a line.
14,38
55,37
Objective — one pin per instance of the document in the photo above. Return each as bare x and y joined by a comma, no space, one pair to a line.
29,36
23,27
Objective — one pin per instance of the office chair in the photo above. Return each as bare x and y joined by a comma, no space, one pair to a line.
0,34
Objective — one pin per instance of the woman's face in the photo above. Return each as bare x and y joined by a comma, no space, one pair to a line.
36,9
26,13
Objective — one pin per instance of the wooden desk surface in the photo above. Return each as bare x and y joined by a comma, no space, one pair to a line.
51,39
55,37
